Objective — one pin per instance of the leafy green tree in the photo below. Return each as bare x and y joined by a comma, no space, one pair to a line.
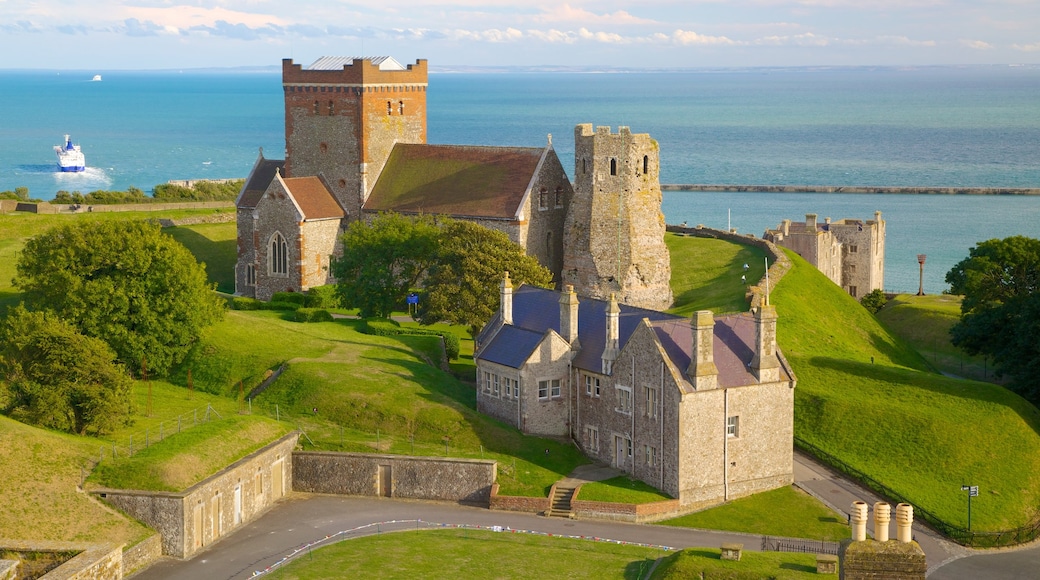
1000,312
60,379
874,301
462,285
124,282
383,261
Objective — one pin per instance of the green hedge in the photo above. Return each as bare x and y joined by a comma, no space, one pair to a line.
387,327
290,297
245,303
312,315
322,297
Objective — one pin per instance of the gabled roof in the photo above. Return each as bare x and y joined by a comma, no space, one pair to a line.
537,310
338,62
470,181
313,198
258,181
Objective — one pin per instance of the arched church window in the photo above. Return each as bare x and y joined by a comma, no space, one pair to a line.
559,196
646,164
278,258
613,166
543,198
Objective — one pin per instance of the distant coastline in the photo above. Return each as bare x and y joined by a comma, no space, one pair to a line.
856,189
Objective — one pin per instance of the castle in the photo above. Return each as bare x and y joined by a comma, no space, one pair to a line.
850,252
355,135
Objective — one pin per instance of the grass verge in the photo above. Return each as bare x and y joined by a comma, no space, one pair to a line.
621,489
707,563
472,554
787,512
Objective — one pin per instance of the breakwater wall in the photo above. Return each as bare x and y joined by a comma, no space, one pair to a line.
856,189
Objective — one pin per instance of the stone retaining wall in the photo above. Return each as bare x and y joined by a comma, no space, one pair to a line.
514,503
52,208
627,512
399,476
144,554
102,561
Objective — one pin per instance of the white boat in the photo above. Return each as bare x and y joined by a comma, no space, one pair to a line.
96,78
70,157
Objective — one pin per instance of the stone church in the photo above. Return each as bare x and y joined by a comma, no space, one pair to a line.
355,138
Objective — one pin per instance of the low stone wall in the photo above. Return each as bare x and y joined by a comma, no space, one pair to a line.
144,554
515,503
101,561
8,205
399,476
779,265
215,218
627,512
51,208
8,569
189,520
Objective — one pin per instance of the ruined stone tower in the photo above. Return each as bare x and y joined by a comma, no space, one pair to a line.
614,232
343,116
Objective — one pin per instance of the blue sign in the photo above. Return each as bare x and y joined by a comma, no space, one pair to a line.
413,298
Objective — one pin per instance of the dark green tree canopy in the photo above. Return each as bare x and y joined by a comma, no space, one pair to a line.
383,261
1000,313
124,282
60,379
462,285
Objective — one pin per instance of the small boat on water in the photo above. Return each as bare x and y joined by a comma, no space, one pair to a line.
70,157
96,78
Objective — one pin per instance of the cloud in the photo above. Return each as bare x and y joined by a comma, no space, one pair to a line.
688,37
976,44
806,39
567,13
237,31
1035,47
134,27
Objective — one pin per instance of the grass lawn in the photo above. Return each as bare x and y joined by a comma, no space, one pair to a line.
786,511
471,554
706,274
925,322
215,246
621,489
707,563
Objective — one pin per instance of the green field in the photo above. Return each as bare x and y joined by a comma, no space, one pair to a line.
706,274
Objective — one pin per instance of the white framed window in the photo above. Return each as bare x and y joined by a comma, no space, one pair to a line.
554,388
628,443
508,384
651,402
549,388
623,400
278,258
487,381
591,386
592,438
495,387
651,455
733,426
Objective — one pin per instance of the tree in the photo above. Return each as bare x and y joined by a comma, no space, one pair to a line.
60,379
1000,312
874,301
383,261
462,285
124,282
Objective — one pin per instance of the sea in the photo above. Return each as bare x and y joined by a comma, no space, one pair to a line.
972,126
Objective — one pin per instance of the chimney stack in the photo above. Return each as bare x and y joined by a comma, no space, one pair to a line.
904,522
810,222
858,517
507,300
610,351
882,517
765,363
786,228
569,315
702,372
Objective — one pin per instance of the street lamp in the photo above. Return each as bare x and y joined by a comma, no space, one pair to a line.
920,260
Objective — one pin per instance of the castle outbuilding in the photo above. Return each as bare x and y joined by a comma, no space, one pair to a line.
850,252
358,125
700,408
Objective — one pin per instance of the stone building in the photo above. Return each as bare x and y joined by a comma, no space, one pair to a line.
700,408
850,252
359,127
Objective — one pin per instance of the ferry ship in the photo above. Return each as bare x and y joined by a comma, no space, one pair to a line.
70,158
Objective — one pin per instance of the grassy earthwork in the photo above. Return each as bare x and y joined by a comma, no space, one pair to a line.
707,563
621,489
706,274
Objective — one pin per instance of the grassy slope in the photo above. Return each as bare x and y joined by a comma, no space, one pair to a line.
925,322
707,563
706,274
922,434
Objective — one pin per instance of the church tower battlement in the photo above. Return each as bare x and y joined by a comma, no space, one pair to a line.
614,232
343,115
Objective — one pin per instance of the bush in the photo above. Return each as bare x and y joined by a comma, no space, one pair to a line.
312,315
279,305
387,327
322,297
874,301
451,345
245,303
290,297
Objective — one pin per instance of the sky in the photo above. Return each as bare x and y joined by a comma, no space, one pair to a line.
177,34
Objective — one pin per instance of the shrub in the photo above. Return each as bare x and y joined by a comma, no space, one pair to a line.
451,345
874,301
322,297
245,303
279,305
312,315
387,327
290,297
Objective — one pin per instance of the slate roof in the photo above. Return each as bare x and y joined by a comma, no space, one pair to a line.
537,310
314,199
256,185
470,181
338,62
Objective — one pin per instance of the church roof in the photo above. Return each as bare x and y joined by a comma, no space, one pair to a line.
338,62
256,184
313,198
457,180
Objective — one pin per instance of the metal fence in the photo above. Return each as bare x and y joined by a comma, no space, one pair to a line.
773,544
962,536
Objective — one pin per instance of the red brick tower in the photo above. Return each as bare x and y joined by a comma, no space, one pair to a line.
343,116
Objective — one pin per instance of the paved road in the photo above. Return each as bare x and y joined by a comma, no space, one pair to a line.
303,519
